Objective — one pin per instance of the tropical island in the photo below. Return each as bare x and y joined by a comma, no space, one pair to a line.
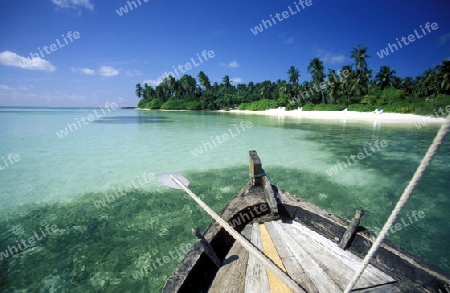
354,87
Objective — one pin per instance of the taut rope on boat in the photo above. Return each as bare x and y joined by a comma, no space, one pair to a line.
438,140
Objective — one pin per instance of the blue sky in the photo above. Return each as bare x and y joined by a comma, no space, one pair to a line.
113,53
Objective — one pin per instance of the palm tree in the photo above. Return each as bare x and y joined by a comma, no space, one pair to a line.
251,92
444,76
188,85
164,90
293,75
428,83
385,77
226,81
204,80
138,90
226,97
334,88
316,68
174,87
266,90
282,92
347,82
408,85
148,92
359,54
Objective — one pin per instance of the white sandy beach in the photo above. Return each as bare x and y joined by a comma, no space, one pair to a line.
344,115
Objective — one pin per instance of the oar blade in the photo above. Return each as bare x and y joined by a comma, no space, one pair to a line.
167,181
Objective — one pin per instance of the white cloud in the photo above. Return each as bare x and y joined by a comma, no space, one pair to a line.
20,88
236,80
290,40
66,96
5,87
8,58
286,39
443,39
333,58
133,72
86,71
73,4
232,64
328,57
26,87
108,71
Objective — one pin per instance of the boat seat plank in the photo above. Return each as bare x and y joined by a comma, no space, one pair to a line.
353,262
321,280
256,280
340,271
234,266
276,285
293,268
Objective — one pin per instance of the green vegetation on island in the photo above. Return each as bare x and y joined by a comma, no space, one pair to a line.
354,87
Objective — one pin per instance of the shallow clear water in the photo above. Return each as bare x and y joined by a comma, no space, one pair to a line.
99,245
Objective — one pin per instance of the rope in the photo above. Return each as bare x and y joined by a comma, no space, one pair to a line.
403,199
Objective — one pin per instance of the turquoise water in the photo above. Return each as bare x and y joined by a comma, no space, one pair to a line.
99,245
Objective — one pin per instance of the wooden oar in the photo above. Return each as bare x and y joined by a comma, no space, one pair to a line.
238,237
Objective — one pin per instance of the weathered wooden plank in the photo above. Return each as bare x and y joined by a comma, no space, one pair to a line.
336,269
269,249
293,268
270,197
352,261
321,280
256,280
229,277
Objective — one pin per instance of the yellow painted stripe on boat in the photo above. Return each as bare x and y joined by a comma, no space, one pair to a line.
276,286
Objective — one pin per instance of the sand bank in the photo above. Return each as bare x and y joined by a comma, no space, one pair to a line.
344,115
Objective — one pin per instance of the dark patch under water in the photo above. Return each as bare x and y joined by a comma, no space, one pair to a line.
132,119
99,249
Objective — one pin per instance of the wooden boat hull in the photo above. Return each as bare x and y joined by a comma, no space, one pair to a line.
259,201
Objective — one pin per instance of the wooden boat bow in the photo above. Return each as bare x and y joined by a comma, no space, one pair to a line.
319,250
